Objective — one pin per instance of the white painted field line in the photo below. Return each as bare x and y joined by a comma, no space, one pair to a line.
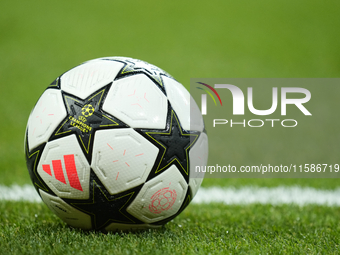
19,193
263,195
233,196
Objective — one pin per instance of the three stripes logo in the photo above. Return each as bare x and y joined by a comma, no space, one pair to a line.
71,171
204,97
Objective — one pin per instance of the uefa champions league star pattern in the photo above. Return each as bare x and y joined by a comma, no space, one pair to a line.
109,145
84,117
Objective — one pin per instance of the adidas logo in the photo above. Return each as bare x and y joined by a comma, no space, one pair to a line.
71,171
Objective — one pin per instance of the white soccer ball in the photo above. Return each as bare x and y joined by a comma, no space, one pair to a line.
112,144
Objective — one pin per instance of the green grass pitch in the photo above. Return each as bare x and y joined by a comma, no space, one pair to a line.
40,40
214,229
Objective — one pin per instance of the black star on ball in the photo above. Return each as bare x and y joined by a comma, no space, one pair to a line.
104,208
135,66
174,144
84,117
32,159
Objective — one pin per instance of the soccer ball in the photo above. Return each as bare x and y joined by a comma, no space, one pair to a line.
112,144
